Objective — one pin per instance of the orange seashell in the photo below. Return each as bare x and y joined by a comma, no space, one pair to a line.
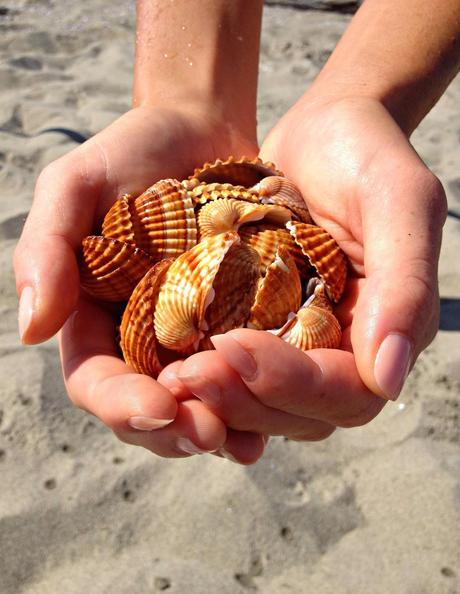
282,191
203,193
164,220
187,292
117,222
234,287
324,254
110,269
137,333
266,239
239,172
312,328
228,214
279,293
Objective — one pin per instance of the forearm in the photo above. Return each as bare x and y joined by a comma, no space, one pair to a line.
402,53
199,52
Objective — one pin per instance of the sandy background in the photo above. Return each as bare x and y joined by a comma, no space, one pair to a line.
371,510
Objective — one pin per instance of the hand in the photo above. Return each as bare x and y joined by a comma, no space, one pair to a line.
72,195
364,184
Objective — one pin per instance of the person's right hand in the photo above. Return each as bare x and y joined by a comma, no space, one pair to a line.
71,197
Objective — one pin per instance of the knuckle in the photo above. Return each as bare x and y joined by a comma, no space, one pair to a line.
318,434
363,415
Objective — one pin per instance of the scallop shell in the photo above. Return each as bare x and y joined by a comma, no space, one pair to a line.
138,342
117,222
164,220
279,293
266,239
313,328
161,221
239,172
110,269
187,292
282,191
324,254
203,193
228,214
234,286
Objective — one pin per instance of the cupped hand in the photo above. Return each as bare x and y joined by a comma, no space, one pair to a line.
71,197
364,183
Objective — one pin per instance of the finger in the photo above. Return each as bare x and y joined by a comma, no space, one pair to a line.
397,313
99,382
323,384
243,447
169,379
47,278
195,430
210,378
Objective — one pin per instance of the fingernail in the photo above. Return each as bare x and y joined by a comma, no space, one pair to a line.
392,364
188,447
235,355
26,310
226,454
203,389
148,423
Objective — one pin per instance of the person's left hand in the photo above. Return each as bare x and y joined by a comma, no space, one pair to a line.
364,184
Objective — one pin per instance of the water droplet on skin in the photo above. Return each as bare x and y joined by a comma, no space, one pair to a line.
183,27
189,44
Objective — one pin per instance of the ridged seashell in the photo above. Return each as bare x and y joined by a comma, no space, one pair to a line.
279,293
312,328
266,239
110,269
203,193
161,221
187,292
317,296
234,287
165,224
117,222
239,172
229,214
137,334
324,254
282,191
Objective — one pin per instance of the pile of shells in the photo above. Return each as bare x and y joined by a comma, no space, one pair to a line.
232,246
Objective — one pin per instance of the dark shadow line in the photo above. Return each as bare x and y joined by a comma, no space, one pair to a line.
453,214
450,314
346,8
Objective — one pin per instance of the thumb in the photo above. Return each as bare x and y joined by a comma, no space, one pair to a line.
47,277
397,312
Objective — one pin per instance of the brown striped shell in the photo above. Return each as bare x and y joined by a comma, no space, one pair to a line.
324,254
110,269
231,246
238,172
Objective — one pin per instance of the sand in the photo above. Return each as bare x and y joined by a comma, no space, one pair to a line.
370,510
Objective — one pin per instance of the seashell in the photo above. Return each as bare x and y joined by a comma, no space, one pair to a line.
228,214
316,292
312,328
234,286
282,191
324,254
203,193
117,222
239,172
266,239
137,334
187,292
160,221
279,293
110,269
164,220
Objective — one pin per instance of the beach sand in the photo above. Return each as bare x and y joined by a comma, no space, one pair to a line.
371,510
